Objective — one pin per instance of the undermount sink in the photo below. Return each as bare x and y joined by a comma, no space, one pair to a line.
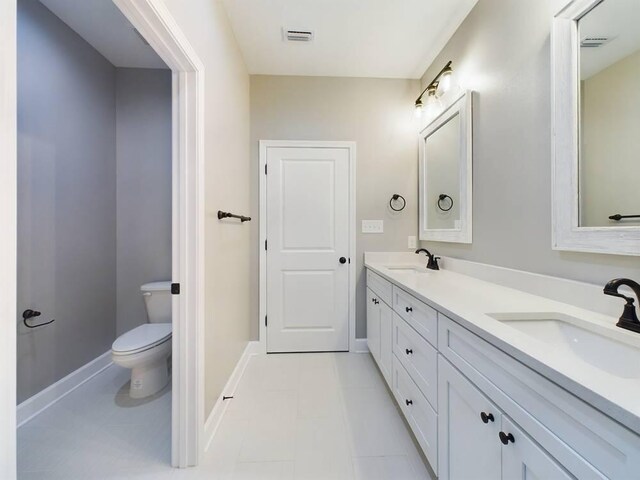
617,353
407,269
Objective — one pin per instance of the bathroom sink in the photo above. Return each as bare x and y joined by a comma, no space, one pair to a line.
407,269
617,353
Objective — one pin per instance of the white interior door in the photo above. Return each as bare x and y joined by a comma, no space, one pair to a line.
307,249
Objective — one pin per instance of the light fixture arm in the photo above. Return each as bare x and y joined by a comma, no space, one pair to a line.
434,82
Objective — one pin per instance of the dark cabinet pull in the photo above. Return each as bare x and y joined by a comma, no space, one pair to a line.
505,438
408,402
409,351
487,417
377,301
408,309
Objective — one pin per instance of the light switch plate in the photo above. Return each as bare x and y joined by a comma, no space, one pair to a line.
411,241
372,226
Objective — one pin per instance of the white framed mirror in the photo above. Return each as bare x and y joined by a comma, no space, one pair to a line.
445,174
596,125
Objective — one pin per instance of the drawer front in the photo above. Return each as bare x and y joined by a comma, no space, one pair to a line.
418,357
582,439
380,286
420,316
421,417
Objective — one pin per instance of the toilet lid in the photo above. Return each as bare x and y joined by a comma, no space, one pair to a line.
142,337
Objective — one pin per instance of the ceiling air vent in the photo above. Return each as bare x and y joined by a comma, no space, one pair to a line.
297,35
595,42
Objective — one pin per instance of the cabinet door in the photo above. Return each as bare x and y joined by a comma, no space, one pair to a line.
523,459
373,324
468,443
386,341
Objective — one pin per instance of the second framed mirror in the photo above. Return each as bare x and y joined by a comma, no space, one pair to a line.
445,174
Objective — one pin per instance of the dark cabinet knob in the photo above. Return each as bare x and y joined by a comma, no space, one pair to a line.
409,351
505,438
343,260
487,417
408,309
376,301
408,402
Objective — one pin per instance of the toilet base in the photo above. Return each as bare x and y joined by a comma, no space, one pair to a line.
148,379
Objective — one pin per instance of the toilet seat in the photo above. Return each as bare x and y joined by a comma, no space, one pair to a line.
142,338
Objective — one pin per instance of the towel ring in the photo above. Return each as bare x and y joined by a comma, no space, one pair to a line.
394,198
444,196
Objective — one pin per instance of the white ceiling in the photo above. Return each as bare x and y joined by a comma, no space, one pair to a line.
353,38
107,30
619,19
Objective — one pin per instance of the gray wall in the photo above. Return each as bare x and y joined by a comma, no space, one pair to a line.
378,115
502,52
66,198
143,113
609,165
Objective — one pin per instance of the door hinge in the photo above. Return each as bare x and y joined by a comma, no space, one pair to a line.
265,244
265,168
175,289
265,320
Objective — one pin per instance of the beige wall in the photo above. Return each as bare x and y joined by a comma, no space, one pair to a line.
377,114
227,248
610,155
502,52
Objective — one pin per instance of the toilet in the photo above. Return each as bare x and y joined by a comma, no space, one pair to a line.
146,349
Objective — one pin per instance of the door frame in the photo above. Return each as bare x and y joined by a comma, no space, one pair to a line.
8,238
156,24
351,147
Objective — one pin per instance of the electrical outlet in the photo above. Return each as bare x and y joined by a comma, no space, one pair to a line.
372,226
411,241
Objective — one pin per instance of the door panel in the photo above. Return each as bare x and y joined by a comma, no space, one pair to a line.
307,234
469,449
373,324
525,460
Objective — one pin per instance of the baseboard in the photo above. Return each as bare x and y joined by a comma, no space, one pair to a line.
360,346
50,395
215,417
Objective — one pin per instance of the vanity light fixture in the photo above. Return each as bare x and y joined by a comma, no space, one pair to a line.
438,86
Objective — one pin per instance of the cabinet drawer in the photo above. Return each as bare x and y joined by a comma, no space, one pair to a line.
582,439
421,417
418,357
380,286
420,316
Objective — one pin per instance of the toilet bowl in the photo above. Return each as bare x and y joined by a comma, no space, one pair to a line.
146,348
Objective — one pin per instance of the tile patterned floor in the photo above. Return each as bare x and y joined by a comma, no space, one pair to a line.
296,416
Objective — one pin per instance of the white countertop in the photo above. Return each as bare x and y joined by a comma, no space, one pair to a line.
468,300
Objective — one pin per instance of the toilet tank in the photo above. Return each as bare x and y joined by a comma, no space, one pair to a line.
157,299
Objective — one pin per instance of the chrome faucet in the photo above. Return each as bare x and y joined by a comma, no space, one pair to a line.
629,319
432,264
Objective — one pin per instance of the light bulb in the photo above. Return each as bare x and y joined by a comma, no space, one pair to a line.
433,104
419,109
444,84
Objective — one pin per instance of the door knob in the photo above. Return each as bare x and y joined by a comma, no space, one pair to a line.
505,438
487,417
343,260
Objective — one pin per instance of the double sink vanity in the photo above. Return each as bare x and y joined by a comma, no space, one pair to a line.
503,382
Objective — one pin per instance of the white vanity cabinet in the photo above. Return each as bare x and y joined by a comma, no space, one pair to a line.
380,325
472,433
476,411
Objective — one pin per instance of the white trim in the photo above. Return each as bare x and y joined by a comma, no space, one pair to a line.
219,409
8,242
42,400
461,106
351,146
567,234
155,23
360,346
